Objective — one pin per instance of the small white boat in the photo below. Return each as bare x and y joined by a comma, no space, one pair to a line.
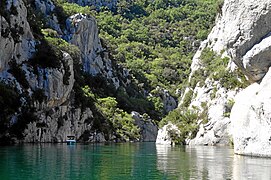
71,140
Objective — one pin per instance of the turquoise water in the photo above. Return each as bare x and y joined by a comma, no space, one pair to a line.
127,161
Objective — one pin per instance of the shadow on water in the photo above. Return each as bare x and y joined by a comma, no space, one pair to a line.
128,161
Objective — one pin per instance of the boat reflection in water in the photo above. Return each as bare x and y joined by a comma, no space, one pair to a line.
70,140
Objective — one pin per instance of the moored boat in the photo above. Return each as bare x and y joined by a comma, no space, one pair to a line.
70,140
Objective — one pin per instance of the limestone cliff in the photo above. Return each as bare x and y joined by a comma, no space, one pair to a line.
242,35
54,118
48,79
250,118
244,32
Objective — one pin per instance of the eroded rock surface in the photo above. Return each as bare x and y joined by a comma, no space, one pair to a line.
250,117
148,130
243,30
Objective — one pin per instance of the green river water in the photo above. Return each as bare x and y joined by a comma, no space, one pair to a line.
127,161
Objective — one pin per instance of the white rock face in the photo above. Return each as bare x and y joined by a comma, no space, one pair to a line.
243,31
217,130
250,118
82,31
164,134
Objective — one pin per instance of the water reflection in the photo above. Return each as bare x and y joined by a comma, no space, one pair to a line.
210,163
128,161
174,162
245,167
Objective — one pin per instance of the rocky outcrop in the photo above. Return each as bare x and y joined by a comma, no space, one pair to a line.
55,117
50,90
148,130
53,82
82,31
58,123
243,30
17,41
47,8
214,104
167,134
250,117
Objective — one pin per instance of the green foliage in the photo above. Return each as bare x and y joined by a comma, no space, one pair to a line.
187,99
215,68
228,108
50,52
186,121
203,115
49,32
106,110
135,101
155,39
47,55
121,121
87,92
199,76
65,9
62,45
72,8
158,104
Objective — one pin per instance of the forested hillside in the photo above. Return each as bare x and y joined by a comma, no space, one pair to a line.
156,41
138,59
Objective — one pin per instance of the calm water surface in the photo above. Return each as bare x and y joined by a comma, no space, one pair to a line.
128,161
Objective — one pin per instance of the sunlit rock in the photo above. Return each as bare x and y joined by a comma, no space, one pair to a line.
250,118
243,30
167,133
82,31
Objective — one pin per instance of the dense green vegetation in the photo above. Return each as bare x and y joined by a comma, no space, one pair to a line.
215,67
154,39
186,121
157,39
120,122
